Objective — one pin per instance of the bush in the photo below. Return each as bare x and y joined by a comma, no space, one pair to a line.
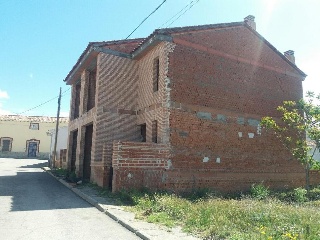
314,194
300,195
259,191
72,177
60,172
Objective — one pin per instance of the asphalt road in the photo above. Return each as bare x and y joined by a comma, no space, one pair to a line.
33,205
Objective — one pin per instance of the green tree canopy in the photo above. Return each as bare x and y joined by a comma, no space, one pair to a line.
299,129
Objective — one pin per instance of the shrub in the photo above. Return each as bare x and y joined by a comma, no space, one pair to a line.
300,195
72,177
259,191
314,194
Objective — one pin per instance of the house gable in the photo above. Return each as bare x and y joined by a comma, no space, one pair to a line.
240,43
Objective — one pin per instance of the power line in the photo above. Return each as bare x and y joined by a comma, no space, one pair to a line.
146,18
190,5
63,93
175,15
181,12
41,104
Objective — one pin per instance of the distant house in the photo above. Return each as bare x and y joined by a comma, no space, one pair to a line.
180,110
62,142
26,136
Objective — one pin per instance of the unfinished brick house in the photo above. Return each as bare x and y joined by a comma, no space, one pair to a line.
180,110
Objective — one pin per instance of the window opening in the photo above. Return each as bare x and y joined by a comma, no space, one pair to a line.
143,129
156,72
155,131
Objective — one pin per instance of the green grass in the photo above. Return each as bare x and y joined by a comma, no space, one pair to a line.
259,215
248,217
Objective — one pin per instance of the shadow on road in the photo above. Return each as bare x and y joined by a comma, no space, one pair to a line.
36,165
35,190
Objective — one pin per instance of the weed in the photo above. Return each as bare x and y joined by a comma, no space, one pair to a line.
300,195
221,218
59,172
259,191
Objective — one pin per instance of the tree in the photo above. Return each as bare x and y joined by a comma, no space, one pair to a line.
299,130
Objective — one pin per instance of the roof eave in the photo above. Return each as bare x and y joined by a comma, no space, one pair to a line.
86,58
75,70
150,43
276,51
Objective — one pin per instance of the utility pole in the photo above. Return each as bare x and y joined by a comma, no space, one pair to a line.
54,155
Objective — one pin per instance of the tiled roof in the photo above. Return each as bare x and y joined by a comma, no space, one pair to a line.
36,119
168,31
139,43
103,44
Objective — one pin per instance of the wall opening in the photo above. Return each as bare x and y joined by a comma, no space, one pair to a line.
143,131
32,147
155,131
110,178
6,144
91,90
156,72
87,153
77,100
74,150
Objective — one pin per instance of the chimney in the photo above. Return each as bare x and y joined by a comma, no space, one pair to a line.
250,21
290,56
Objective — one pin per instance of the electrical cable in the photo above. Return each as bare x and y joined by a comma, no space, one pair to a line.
175,15
63,93
146,19
41,104
191,4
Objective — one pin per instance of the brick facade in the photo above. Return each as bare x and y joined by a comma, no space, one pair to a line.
195,95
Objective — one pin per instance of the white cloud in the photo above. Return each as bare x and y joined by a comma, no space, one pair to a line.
4,94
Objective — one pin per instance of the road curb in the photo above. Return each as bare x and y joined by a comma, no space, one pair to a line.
97,205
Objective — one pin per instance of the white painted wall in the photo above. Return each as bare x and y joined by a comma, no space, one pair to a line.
61,142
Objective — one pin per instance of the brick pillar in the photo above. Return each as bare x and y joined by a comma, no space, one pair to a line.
69,150
80,150
84,92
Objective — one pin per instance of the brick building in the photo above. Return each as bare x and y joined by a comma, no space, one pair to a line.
180,110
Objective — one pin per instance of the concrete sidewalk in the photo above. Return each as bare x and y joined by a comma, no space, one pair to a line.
146,231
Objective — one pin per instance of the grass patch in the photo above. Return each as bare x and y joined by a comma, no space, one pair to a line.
259,215
59,172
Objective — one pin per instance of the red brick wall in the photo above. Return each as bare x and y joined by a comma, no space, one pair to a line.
314,178
223,82
153,105
137,165
116,102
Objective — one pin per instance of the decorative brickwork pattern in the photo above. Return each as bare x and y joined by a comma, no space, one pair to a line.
200,92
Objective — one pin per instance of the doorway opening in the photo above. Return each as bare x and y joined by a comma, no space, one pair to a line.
74,150
87,153
33,147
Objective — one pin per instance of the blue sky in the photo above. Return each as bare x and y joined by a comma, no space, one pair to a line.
41,40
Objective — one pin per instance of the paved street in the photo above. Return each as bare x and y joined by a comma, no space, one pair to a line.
33,205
